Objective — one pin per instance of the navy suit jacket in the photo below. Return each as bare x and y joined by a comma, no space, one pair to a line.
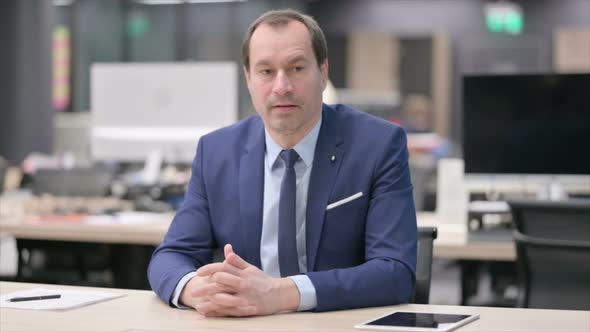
362,253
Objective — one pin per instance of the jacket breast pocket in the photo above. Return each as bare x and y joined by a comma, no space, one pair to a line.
347,220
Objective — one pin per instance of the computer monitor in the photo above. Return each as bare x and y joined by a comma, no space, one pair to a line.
527,133
141,108
527,124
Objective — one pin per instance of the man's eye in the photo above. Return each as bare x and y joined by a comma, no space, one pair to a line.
265,72
297,69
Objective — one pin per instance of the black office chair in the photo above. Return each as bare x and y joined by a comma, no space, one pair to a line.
426,237
553,253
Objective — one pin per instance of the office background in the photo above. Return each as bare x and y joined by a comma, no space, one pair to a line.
129,31
426,46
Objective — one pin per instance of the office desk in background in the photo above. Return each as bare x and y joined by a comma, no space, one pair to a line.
151,232
130,244
136,242
143,311
475,253
451,242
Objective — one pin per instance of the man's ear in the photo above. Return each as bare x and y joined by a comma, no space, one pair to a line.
324,72
247,75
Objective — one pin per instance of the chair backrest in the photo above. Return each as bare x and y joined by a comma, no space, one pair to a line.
566,220
426,236
553,253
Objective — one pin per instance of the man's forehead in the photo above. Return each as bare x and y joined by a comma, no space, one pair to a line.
281,24
295,30
296,57
268,39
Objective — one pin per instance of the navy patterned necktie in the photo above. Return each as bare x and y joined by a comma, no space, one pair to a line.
288,257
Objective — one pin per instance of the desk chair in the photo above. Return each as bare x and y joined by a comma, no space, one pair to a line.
553,253
426,237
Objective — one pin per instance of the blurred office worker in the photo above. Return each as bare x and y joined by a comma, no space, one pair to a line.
311,203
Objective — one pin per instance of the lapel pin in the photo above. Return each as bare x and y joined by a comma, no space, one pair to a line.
333,159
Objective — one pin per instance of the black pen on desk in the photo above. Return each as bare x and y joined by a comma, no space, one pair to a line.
34,298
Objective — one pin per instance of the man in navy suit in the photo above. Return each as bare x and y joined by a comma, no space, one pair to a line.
311,203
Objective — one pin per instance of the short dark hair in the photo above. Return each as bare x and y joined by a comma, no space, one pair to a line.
282,17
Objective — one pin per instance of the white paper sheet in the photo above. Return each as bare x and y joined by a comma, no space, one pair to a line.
69,299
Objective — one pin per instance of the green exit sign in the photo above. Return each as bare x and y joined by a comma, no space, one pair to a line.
504,17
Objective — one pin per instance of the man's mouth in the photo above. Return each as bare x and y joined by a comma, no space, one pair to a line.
284,107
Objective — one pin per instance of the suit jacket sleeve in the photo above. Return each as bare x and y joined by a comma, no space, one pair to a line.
189,241
388,274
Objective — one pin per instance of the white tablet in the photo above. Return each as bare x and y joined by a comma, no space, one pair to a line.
417,322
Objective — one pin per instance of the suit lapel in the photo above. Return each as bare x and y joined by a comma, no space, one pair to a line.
251,188
328,156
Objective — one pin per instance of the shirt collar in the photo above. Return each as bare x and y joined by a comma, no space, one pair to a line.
305,148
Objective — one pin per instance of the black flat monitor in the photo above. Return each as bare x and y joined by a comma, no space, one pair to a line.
527,124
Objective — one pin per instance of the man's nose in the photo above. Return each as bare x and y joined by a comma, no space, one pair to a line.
282,84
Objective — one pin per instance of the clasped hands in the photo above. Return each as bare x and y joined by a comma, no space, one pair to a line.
237,288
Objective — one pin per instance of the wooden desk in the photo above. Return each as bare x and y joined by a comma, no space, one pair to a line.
132,244
453,243
149,233
143,311
450,244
